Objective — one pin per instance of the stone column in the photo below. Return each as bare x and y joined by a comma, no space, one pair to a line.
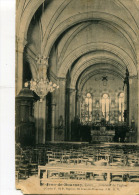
78,112
72,103
72,95
53,122
137,51
130,100
40,117
62,84
133,101
138,106
61,104
19,64
126,97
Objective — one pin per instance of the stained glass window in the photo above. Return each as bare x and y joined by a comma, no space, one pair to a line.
121,107
105,106
86,110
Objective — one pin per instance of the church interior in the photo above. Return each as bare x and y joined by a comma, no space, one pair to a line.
77,90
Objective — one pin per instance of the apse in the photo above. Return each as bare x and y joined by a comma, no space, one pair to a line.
102,98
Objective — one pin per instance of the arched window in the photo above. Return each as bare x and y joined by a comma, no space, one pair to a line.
86,110
105,106
121,107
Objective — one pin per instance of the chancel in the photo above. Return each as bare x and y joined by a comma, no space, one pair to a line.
77,87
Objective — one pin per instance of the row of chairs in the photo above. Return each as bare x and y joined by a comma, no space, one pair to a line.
44,155
24,168
27,159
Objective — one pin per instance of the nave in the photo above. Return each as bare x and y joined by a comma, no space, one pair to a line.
77,92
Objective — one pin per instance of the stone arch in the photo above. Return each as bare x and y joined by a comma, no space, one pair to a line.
94,62
26,18
81,27
78,18
86,77
98,57
84,49
60,9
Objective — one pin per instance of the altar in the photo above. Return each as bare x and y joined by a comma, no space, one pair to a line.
102,134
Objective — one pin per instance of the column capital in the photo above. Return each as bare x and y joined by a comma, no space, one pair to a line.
62,81
42,60
79,95
21,43
132,77
53,106
72,90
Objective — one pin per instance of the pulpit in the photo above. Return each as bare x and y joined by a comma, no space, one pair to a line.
25,123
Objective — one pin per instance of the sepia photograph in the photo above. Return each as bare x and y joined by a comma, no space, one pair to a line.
77,97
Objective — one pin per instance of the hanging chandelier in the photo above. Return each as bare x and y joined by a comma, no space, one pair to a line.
42,86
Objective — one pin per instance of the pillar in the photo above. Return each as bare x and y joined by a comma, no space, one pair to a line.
137,50
19,64
133,99
78,108
138,106
40,118
60,100
130,100
53,105
126,98
72,103
72,95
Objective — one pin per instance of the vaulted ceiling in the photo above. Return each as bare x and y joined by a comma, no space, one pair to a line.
83,37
